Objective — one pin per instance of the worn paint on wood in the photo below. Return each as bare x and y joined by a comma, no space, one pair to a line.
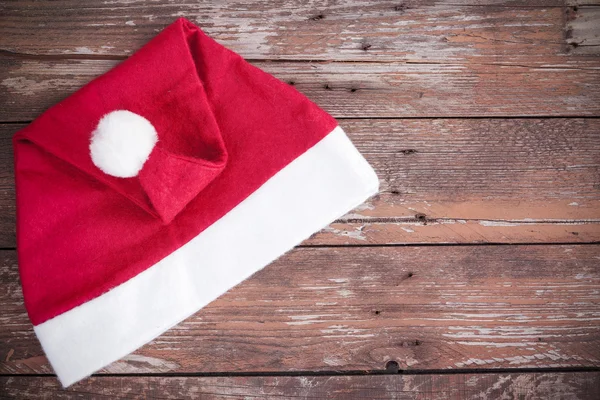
583,29
414,30
443,181
346,309
354,89
455,231
525,386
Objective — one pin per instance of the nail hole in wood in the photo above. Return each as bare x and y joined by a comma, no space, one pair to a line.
291,83
353,90
575,233
421,216
569,33
408,151
366,46
327,87
410,274
392,367
317,17
377,312
409,343
395,192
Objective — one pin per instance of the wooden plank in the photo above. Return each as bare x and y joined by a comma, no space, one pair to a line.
354,89
423,30
525,386
357,308
577,3
583,29
451,181
455,231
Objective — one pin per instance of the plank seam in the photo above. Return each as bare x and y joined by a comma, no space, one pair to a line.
464,371
317,246
424,220
325,246
475,117
117,57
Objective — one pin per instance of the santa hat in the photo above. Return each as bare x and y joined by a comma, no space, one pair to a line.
162,184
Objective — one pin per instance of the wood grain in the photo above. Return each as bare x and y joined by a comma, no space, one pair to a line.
444,179
451,181
583,30
455,231
415,30
355,309
361,89
524,386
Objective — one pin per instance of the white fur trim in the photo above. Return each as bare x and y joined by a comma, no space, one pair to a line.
121,143
321,185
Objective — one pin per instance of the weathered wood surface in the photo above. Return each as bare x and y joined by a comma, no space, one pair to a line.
582,29
523,386
444,180
351,309
361,89
451,181
415,30
455,231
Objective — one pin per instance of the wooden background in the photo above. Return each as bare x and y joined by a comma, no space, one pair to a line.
475,273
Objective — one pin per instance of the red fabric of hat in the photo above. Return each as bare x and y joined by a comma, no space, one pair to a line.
160,185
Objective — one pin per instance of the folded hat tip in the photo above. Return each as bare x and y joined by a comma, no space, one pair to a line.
122,143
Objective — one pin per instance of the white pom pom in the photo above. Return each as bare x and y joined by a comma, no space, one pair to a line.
122,142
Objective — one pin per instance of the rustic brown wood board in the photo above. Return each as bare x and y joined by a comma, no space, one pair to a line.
424,307
431,386
474,273
355,89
